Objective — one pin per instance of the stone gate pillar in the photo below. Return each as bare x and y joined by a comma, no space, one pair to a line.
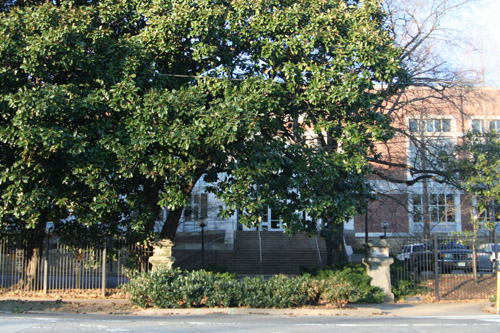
162,255
378,266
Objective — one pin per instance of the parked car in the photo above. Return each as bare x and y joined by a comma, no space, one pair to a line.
452,255
486,257
407,250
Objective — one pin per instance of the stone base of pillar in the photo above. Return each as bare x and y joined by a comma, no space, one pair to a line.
379,270
378,267
162,255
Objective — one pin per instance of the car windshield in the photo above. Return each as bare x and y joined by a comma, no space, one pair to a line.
451,244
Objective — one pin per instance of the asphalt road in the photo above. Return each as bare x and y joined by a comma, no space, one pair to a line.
11,322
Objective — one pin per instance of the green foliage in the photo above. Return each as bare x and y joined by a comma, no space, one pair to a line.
138,289
350,284
478,166
222,272
359,250
278,291
403,284
341,293
175,288
111,110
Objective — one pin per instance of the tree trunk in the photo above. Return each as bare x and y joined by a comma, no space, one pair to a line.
335,249
33,251
425,208
169,228
152,190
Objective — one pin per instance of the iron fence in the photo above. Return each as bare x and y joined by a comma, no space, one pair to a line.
446,267
56,266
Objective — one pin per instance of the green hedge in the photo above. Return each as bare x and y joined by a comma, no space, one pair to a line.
174,288
351,284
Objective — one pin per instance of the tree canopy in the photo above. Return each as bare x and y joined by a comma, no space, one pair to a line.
477,170
111,109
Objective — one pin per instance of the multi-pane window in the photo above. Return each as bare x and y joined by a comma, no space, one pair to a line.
495,125
441,208
430,153
479,125
430,125
271,221
430,150
198,209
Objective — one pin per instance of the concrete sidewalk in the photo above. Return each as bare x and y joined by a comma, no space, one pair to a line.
396,310
434,309
123,306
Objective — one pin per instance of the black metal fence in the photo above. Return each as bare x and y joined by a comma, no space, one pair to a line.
447,267
57,266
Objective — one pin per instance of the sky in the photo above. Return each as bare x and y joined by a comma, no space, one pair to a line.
482,25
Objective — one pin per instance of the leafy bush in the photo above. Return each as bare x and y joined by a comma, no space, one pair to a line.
350,284
173,288
221,271
359,250
138,289
355,274
278,291
340,293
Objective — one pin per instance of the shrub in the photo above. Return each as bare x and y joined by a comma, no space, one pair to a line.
227,293
173,288
340,293
355,274
278,291
353,283
221,271
138,289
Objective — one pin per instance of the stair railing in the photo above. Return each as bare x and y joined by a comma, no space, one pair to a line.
193,255
260,251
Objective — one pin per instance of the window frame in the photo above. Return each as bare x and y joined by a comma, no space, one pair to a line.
442,209
486,124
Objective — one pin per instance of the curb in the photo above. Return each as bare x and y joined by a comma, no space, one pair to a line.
350,312
125,307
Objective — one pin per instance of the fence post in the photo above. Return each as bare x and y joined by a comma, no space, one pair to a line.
495,240
103,292
45,270
436,267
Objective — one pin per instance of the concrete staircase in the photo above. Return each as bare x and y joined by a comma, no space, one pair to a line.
280,254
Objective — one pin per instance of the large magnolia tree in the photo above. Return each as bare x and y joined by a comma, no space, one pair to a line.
111,110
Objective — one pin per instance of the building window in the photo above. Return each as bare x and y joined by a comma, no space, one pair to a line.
441,208
430,153
198,209
430,125
495,125
479,125
414,125
271,220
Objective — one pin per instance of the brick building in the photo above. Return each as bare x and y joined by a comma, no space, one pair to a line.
426,122
426,126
